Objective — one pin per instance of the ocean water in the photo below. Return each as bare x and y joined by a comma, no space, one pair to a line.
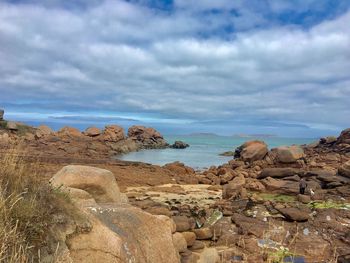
204,150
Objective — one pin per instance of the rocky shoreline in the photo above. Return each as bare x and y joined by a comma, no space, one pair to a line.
247,210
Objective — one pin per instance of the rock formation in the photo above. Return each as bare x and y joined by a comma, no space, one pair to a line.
1,114
179,145
251,151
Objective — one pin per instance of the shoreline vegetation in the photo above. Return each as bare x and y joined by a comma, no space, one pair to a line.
64,199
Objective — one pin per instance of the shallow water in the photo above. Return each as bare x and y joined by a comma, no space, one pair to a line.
203,151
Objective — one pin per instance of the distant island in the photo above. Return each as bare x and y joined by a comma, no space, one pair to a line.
242,135
208,134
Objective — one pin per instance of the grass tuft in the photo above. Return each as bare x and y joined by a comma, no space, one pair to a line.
27,206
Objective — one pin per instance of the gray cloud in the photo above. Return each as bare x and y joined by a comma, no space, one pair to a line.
115,56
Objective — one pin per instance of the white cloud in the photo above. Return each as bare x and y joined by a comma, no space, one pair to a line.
119,56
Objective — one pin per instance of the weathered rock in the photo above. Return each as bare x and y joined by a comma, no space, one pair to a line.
69,131
209,255
113,133
251,151
328,140
278,172
148,138
281,186
183,223
190,238
179,168
294,214
249,225
1,114
203,233
344,170
197,245
232,189
123,234
344,137
42,131
313,247
92,131
11,125
305,199
179,242
289,154
99,183
179,145
168,221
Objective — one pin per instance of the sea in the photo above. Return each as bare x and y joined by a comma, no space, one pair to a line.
204,150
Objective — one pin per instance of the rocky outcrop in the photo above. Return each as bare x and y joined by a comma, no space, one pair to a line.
179,145
113,133
278,172
114,231
99,183
251,151
1,114
92,132
344,137
69,132
289,154
12,126
43,131
294,214
344,170
147,138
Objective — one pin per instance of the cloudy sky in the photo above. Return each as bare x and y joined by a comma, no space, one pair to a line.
224,66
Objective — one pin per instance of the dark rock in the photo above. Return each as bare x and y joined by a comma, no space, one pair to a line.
179,145
294,214
1,114
328,140
278,172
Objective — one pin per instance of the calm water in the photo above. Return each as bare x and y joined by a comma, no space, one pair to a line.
203,151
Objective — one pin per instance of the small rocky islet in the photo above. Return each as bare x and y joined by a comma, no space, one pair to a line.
246,210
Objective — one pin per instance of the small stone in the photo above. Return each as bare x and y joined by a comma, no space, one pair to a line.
203,233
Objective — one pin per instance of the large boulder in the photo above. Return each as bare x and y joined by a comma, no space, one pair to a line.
294,214
251,151
113,133
344,170
281,186
122,233
278,172
179,168
289,154
344,137
42,131
69,131
11,125
1,114
148,138
179,145
99,183
92,132
234,187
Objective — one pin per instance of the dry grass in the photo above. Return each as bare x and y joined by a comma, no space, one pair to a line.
27,206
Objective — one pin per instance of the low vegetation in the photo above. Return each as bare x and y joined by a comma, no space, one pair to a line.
27,206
